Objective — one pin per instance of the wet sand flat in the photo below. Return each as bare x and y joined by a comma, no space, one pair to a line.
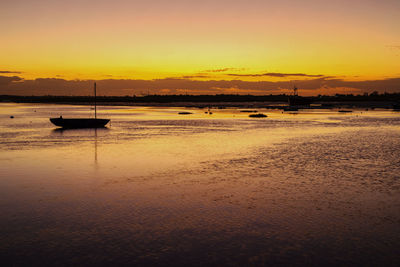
155,188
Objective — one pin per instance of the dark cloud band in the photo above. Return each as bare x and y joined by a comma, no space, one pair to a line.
52,86
276,74
10,72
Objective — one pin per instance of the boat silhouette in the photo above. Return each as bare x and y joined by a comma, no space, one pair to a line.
81,122
258,115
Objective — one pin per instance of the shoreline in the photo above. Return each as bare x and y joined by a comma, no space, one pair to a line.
387,101
223,105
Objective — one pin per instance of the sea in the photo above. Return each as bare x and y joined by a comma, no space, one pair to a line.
315,187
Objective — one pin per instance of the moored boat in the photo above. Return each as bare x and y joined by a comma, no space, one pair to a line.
258,115
81,122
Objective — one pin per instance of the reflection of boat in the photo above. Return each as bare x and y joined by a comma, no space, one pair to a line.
290,109
82,122
345,111
248,111
396,107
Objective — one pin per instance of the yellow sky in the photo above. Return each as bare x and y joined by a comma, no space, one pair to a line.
159,39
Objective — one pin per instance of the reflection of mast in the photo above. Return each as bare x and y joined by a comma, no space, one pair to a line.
95,146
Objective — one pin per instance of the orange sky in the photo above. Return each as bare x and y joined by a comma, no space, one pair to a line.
205,40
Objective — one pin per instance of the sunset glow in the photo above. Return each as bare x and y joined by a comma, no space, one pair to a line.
200,133
208,40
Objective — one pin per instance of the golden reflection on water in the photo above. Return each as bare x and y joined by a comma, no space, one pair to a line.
159,188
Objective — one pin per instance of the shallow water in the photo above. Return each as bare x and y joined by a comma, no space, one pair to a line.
157,188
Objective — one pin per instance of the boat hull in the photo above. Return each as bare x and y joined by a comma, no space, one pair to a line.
259,115
79,123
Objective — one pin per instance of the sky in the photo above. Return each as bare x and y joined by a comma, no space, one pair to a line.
253,46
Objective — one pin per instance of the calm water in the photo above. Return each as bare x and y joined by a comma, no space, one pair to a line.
158,188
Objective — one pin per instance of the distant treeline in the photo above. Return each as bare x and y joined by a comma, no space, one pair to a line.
387,97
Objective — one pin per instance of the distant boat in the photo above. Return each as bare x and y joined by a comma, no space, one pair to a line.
81,122
259,115
345,111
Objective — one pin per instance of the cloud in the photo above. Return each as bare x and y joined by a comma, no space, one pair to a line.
276,74
10,72
237,90
321,85
5,80
191,76
224,70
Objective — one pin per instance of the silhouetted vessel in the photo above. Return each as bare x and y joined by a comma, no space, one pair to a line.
258,115
82,122
79,123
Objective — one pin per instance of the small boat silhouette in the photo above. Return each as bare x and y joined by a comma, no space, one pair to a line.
79,123
258,115
82,122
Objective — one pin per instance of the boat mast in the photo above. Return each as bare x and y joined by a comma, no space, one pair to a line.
95,104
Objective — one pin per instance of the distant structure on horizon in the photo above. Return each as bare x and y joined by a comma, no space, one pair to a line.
296,101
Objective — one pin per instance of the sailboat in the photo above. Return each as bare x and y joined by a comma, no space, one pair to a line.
81,122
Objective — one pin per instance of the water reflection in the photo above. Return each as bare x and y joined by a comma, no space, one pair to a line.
95,146
68,132
317,188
